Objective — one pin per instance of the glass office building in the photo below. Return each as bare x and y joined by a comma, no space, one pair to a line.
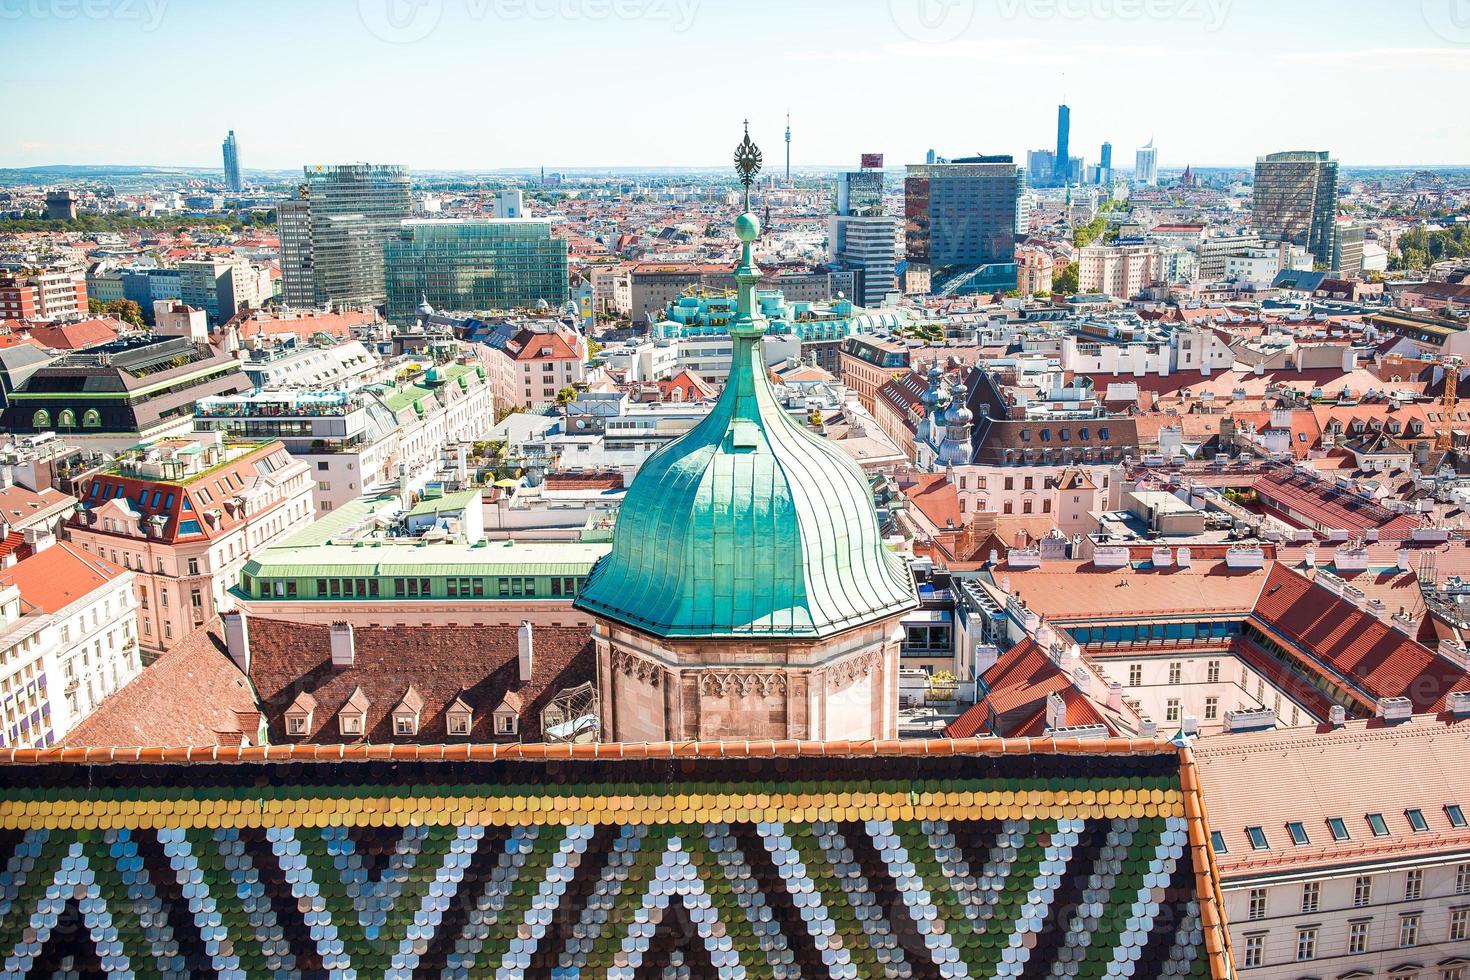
961,213
1295,200
475,265
333,233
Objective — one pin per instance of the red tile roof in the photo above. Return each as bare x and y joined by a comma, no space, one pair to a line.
1018,685
78,335
55,577
937,499
479,664
193,695
1323,504
1347,644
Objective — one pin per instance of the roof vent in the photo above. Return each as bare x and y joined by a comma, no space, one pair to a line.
344,648
1337,716
1395,709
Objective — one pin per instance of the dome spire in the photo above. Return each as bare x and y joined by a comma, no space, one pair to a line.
748,229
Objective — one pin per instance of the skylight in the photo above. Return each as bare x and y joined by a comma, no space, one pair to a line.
1338,828
1377,823
1217,840
1417,821
1298,833
1258,838
1456,815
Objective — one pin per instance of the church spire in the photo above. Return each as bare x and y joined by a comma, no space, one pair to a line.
748,229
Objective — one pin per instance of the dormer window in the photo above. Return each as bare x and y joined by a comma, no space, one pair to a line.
299,716
406,715
352,719
505,724
507,715
458,719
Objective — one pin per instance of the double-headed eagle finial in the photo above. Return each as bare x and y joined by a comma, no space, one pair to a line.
747,160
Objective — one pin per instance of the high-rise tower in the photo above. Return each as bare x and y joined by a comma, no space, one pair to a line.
1062,173
1295,200
231,150
788,148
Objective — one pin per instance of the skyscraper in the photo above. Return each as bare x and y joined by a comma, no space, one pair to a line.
1146,165
1063,164
861,237
333,232
232,164
961,216
470,265
1295,200
1105,164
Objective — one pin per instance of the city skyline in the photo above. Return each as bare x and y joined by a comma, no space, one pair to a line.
1103,66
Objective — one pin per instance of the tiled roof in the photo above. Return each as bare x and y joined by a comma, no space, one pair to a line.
55,577
193,695
78,335
478,664
1017,687
937,499
1242,777
906,859
1324,504
1075,591
1345,642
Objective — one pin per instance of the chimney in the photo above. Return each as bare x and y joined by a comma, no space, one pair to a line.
1115,696
344,648
1457,703
237,639
1403,556
1395,710
1190,726
1056,712
7,477
1337,716
1148,728
1184,558
1455,653
1309,558
985,658
526,645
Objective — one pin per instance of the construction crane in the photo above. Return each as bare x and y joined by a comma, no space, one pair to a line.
1445,440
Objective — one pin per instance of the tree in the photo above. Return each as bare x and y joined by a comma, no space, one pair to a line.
566,396
1085,235
1066,281
123,309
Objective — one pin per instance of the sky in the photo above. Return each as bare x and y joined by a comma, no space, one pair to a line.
500,84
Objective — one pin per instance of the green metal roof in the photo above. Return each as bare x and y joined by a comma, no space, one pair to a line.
750,524
447,502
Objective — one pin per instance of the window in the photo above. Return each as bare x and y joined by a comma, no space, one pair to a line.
1306,945
404,725
350,724
1358,937
1455,815
1256,908
1217,841
459,723
1417,821
41,420
193,566
1135,675
1311,896
1462,880
1414,885
296,724
1175,672
1212,672
1338,828
1409,930
1257,838
1212,709
505,724
1298,833
1171,710
1362,891
91,419
1377,824
1459,925
1255,951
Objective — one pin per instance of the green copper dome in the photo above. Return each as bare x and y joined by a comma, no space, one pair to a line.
750,524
